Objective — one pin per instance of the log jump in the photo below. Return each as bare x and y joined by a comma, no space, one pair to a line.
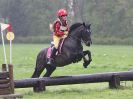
39,84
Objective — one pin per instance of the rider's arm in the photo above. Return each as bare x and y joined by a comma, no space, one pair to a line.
57,30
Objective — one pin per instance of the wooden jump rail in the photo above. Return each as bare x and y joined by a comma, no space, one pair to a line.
39,84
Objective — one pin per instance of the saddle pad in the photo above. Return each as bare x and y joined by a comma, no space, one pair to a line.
49,52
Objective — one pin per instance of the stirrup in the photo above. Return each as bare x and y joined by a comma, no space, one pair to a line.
50,61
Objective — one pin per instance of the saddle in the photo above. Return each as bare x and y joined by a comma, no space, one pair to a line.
59,51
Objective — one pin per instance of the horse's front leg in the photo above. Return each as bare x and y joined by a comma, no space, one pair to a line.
86,60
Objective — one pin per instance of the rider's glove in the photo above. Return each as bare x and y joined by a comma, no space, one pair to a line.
66,32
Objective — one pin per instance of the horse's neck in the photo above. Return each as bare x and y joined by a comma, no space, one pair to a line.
73,43
76,32
74,39
76,36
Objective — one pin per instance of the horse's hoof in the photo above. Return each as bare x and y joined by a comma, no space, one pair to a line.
84,65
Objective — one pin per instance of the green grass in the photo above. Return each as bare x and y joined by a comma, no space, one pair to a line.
105,59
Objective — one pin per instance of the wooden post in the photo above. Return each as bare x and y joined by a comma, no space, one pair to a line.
114,82
40,86
11,77
7,83
4,68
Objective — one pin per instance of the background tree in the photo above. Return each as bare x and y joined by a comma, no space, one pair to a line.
112,20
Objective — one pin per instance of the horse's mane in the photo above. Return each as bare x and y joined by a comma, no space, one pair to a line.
74,26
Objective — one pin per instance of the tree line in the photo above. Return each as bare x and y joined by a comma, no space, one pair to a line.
112,20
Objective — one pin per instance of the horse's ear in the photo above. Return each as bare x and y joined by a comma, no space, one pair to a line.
84,24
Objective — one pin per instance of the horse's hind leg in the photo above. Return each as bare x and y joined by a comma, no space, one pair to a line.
49,71
38,70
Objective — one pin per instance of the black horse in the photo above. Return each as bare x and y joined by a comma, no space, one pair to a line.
72,51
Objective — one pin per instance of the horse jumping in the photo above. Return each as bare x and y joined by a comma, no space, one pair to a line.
72,51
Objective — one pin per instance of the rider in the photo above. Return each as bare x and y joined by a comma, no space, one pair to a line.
60,30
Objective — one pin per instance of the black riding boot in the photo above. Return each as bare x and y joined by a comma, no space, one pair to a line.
51,60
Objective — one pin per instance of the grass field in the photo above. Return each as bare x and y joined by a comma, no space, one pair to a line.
105,59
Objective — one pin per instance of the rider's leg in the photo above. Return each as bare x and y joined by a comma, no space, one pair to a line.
54,50
52,57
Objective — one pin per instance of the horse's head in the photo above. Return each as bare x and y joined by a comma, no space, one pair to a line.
82,31
86,34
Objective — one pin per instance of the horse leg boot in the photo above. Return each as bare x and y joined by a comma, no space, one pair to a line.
51,60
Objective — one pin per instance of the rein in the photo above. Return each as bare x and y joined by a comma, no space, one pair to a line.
76,38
